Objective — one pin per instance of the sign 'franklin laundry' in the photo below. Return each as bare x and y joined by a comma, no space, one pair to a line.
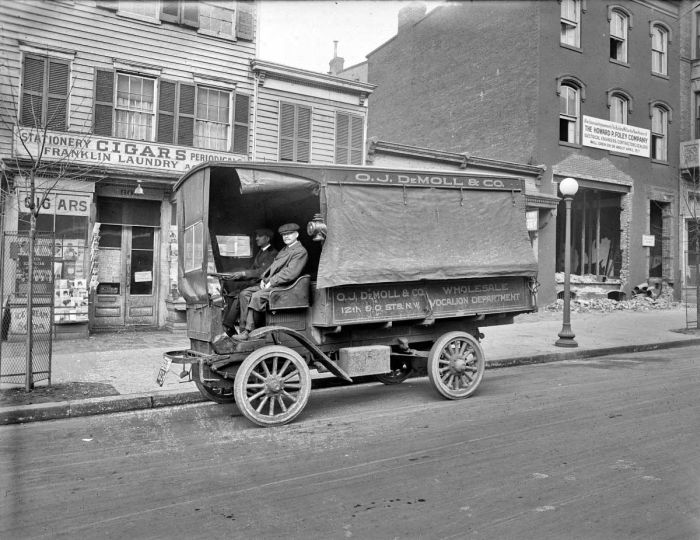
105,151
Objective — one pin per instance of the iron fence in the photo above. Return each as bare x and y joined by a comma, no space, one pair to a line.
13,299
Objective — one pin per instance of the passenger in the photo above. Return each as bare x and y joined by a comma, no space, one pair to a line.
262,261
285,269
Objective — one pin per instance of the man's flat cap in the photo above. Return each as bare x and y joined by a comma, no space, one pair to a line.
288,227
264,232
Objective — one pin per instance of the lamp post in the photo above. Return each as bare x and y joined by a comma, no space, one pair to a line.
568,188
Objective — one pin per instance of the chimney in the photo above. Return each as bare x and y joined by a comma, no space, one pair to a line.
336,64
411,14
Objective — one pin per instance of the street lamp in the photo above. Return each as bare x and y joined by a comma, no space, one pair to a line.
568,188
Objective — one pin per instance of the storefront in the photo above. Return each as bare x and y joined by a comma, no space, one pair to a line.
113,262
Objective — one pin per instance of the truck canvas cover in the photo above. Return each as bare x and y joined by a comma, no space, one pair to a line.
383,234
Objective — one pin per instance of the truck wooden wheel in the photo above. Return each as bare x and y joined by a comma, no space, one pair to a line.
216,394
456,365
272,385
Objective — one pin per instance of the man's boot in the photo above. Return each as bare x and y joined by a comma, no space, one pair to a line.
248,327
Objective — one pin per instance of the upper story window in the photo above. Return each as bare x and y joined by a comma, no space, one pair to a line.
619,24
45,90
571,23
659,49
569,113
139,8
619,108
212,121
217,19
295,133
185,13
134,107
183,114
659,132
349,134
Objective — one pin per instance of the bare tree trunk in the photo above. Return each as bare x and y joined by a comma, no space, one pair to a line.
29,375
697,273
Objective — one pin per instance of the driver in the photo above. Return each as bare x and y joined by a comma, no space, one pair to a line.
287,267
263,259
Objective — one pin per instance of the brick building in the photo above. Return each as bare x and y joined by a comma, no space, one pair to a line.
588,89
119,99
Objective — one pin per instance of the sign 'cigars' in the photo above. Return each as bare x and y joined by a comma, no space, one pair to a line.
106,151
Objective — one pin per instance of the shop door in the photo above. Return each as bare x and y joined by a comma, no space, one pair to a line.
126,293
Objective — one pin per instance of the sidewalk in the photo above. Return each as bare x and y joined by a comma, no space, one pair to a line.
120,368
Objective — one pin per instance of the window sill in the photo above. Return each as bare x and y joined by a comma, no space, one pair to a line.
660,161
660,75
571,47
619,63
618,154
570,144
224,37
137,17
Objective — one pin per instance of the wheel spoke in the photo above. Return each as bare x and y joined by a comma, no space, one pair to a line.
280,373
258,375
291,375
262,403
264,365
281,403
290,396
274,364
256,396
444,369
255,385
463,347
293,386
272,407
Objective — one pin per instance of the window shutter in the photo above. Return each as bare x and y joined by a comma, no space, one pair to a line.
286,132
169,11
185,119
245,28
104,102
356,136
241,119
166,112
32,109
341,138
303,134
190,14
57,104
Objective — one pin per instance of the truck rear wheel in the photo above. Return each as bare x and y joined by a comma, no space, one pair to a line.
272,385
456,365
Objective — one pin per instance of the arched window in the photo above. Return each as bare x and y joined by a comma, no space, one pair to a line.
659,49
659,132
619,107
619,23
571,22
569,113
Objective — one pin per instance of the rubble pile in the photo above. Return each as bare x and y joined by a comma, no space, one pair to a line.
639,302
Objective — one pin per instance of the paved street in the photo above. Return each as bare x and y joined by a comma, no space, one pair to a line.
587,449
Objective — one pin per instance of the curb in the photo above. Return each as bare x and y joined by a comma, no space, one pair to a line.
103,405
132,402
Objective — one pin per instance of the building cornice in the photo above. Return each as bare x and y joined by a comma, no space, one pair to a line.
311,78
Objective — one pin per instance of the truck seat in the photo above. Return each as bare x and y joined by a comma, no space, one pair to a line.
294,296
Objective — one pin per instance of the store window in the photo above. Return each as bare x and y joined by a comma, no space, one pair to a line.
570,23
